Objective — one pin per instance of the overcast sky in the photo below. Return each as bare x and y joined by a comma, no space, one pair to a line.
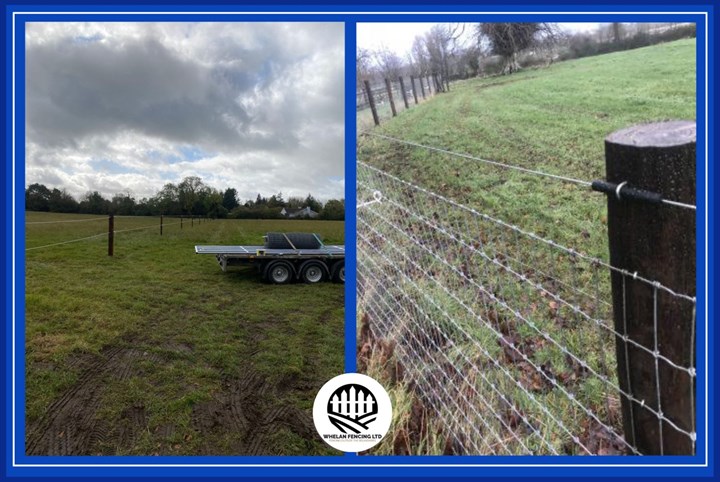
114,107
398,37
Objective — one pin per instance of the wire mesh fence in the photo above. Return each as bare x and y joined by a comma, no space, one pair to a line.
401,93
507,338
60,232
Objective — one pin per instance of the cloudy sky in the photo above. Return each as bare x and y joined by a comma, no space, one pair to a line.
398,37
118,107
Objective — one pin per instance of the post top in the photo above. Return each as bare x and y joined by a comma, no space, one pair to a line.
656,134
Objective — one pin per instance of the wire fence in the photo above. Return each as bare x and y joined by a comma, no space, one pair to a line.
618,189
84,220
159,224
391,97
508,338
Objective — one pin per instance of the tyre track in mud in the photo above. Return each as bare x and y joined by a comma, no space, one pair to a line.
250,410
71,426
240,419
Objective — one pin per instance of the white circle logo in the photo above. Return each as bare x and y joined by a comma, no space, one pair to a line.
352,412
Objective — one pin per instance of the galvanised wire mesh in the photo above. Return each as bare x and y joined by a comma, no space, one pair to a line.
505,337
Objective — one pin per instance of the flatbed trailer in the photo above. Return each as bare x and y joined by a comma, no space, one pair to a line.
282,266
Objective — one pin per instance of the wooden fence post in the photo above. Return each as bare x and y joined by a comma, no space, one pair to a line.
414,90
422,87
656,241
111,234
371,101
161,222
404,94
181,221
390,97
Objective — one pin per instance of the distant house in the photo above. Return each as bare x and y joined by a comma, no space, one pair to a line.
305,212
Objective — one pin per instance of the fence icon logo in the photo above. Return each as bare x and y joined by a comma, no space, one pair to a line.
352,408
352,412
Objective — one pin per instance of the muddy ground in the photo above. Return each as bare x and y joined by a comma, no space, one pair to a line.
244,417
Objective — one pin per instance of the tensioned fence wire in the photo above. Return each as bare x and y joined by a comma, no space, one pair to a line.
66,221
156,226
514,167
508,359
66,242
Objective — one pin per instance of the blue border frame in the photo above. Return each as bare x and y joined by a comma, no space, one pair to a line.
338,466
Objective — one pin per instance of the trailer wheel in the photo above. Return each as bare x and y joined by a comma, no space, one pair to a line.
312,272
279,272
338,272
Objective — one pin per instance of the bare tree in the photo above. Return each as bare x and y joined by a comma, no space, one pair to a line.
419,57
441,44
389,63
363,63
363,70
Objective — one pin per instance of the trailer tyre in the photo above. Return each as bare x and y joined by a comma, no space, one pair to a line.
312,272
338,272
279,272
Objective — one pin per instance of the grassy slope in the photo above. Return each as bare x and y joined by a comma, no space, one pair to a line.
157,296
553,120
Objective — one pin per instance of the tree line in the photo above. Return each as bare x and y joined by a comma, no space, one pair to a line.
460,51
191,197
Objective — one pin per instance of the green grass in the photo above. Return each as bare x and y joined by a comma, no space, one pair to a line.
553,120
196,329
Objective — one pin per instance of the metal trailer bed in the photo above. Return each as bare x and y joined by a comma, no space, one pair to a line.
282,265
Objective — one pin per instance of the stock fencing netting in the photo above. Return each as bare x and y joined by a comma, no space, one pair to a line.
506,338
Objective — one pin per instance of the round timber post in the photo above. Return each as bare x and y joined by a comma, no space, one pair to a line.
111,234
388,86
655,241
371,101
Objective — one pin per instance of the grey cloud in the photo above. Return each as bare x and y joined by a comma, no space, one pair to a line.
137,93
77,90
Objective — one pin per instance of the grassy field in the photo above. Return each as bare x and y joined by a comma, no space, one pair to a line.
157,351
552,120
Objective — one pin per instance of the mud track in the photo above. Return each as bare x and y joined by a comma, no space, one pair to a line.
249,410
71,426
240,419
